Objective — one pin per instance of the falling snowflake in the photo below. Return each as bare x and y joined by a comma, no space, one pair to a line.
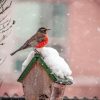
98,61
62,50
98,29
90,19
68,14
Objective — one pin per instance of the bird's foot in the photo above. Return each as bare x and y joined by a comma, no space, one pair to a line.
37,52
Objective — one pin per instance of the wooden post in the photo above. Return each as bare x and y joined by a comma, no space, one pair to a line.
57,91
40,84
37,84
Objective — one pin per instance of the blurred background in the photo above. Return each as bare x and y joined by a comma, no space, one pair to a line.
75,33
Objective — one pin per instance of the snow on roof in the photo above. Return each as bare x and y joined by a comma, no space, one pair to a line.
28,59
51,57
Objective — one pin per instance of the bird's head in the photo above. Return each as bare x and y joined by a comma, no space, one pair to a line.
43,30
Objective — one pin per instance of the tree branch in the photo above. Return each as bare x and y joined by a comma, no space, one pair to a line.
2,44
8,27
4,22
3,18
6,8
4,26
3,37
2,3
2,60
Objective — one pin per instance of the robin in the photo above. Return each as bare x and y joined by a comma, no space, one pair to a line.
39,40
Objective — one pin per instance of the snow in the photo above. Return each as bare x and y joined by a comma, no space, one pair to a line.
98,29
29,58
51,57
68,14
86,80
48,51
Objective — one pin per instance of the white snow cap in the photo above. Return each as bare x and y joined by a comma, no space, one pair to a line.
51,57
47,51
28,59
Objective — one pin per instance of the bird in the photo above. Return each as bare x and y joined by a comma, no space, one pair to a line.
38,40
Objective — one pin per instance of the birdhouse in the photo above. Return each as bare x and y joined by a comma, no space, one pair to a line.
38,80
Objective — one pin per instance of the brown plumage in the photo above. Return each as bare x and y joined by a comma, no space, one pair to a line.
39,40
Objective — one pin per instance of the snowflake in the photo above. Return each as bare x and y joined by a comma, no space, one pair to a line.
68,14
98,29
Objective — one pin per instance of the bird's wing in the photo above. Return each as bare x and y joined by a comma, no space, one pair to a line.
34,40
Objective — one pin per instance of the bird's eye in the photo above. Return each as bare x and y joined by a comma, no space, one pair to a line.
43,30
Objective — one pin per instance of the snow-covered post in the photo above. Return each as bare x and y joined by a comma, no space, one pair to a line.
45,76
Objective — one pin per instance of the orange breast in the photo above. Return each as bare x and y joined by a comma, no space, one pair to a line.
43,43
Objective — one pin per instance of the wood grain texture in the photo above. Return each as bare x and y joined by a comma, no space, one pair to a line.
57,91
37,84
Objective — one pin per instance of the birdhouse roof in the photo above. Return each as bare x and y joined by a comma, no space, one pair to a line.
53,76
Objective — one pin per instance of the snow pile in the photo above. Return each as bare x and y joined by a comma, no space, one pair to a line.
28,59
51,57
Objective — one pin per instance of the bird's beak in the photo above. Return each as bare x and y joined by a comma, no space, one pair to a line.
48,29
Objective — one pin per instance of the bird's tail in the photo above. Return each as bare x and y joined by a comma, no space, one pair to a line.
21,48
15,51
